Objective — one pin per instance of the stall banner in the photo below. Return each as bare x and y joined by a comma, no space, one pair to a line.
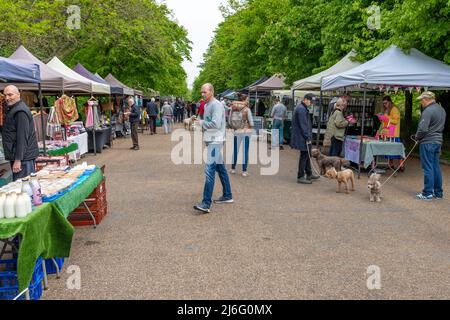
352,147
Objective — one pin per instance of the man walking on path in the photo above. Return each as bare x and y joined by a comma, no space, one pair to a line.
278,115
215,134
152,111
301,140
430,136
134,121
19,136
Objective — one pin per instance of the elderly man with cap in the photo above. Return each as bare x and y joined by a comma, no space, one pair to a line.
301,139
430,136
19,136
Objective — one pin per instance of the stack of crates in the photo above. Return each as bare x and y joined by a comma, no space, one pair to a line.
9,284
50,267
96,202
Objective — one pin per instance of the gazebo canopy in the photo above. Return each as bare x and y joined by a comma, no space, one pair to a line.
247,88
393,68
314,82
51,80
116,83
275,82
20,72
95,87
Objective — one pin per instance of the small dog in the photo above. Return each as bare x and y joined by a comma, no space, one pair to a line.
189,122
326,162
342,177
374,187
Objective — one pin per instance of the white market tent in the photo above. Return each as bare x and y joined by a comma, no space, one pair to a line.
96,87
314,82
393,68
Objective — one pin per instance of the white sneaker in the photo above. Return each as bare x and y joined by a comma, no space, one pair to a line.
245,174
233,171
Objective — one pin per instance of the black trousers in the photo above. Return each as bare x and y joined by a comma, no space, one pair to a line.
153,124
304,165
336,147
134,133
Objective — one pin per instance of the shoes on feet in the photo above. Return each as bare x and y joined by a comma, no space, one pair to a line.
223,200
233,171
421,196
245,174
313,177
203,208
303,180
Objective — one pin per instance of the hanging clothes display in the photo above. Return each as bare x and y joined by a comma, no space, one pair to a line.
66,109
89,117
29,98
96,118
38,125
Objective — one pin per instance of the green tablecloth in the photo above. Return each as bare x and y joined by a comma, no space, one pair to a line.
45,233
63,151
71,200
370,149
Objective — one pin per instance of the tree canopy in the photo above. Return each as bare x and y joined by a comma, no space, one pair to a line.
136,40
300,37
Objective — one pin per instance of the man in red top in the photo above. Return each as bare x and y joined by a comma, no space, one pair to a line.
201,109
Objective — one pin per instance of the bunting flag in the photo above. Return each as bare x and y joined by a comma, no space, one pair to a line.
396,90
410,89
419,89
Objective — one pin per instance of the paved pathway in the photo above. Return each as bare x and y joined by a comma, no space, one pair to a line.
280,240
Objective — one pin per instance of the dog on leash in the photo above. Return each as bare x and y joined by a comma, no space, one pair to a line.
342,177
189,122
374,186
326,162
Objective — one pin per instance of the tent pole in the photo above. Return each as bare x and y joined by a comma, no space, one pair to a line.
256,101
320,118
41,107
362,132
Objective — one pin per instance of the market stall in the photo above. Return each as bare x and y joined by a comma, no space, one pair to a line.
45,229
392,70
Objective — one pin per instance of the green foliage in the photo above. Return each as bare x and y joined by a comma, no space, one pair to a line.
302,37
136,40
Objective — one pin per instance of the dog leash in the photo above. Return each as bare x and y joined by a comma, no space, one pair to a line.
310,160
407,157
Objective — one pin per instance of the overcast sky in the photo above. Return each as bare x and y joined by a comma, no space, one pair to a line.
200,18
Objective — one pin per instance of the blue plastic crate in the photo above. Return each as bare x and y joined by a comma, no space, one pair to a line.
50,266
9,285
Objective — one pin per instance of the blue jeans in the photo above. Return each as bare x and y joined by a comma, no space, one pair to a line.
429,158
215,164
277,132
237,145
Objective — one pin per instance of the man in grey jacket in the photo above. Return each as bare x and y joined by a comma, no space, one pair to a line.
214,125
430,136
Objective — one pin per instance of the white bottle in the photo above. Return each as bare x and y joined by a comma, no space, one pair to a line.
21,206
26,187
9,205
2,204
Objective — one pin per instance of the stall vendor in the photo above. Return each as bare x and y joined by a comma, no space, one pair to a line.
391,117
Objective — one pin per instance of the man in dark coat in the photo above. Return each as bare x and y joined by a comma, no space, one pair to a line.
301,139
134,121
19,136
152,111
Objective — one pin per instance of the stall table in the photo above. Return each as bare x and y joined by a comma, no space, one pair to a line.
82,141
102,138
370,149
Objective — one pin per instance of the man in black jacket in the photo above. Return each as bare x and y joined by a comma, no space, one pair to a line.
152,111
301,139
19,137
134,122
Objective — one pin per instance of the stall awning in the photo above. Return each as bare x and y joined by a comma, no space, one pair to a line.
276,82
314,82
393,68
247,88
95,87
51,80
15,71
116,83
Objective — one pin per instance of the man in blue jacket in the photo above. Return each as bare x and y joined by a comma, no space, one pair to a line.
301,139
152,111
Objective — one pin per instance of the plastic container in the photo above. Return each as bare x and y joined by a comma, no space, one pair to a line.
50,266
9,285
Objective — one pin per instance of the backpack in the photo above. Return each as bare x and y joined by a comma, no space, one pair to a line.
238,119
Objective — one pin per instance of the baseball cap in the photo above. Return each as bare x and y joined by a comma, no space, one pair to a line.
427,95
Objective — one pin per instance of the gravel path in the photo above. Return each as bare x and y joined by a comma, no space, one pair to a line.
279,240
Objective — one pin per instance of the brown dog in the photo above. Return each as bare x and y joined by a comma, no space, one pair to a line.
342,177
326,162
